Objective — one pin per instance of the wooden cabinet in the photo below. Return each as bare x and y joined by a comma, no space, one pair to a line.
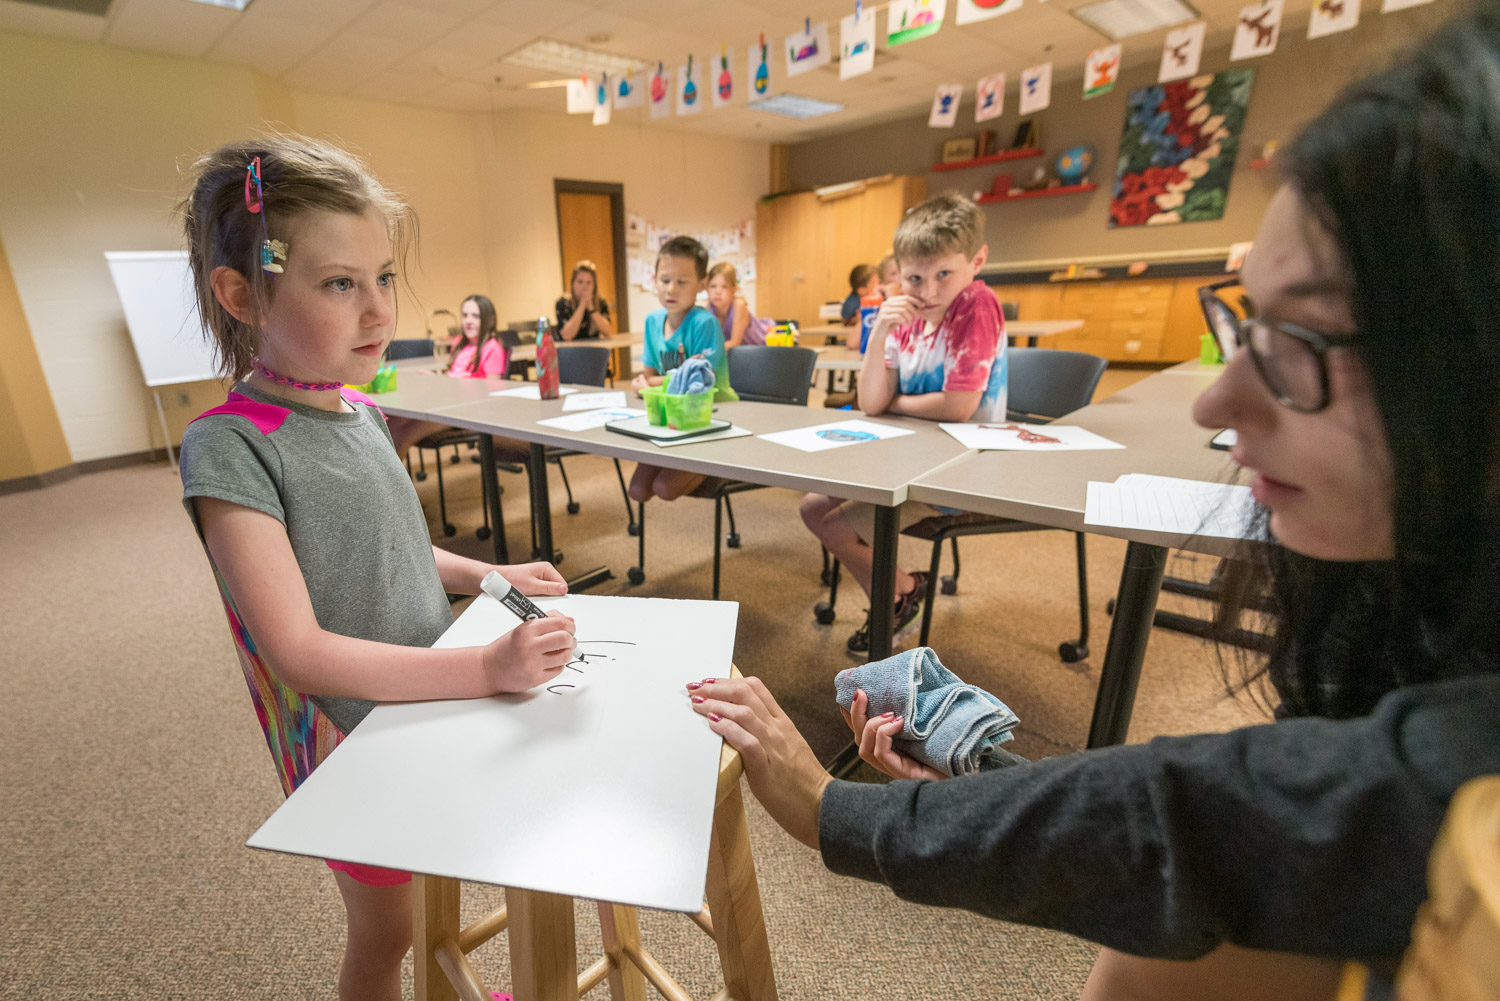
805,246
1131,320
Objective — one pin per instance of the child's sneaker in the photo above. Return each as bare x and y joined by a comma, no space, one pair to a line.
908,611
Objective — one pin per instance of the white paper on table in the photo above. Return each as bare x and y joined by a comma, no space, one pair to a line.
1008,436
591,419
593,401
509,790
729,432
821,437
1171,505
531,392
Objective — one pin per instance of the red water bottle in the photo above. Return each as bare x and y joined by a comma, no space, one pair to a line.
546,361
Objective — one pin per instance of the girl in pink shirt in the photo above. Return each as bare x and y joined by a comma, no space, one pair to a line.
479,352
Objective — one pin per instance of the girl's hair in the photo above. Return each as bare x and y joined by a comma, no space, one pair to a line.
298,175
889,258
489,329
582,266
859,275
727,270
1403,169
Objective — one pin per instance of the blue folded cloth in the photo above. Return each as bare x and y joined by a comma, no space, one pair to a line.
696,375
953,727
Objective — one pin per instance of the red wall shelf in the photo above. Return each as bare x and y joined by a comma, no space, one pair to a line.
1010,154
1068,189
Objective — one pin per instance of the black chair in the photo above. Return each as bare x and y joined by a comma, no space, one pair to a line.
758,374
585,365
511,338
1010,310
409,347
1043,384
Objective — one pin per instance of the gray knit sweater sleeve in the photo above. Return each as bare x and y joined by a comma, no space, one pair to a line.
1308,835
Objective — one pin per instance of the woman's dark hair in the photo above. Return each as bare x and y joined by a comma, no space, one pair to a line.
580,268
488,329
1403,169
859,275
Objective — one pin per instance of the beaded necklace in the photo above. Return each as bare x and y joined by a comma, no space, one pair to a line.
284,381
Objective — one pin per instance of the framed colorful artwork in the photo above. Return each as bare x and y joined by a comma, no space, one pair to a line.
1178,148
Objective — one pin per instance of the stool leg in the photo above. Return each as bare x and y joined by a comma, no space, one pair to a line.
621,928
734,901
543,953
931,587
434,921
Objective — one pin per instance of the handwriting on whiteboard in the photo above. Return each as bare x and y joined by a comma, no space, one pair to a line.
581,664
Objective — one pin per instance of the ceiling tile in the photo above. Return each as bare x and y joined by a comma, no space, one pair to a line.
268,43
29,19
407,22
533,18
179,28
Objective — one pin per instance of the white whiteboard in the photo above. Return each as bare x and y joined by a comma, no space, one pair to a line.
603,790
156,289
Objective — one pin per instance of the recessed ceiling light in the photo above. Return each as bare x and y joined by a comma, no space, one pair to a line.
571,60
1117,19
228,4
795,106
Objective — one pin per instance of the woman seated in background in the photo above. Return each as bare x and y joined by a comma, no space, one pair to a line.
1245,865
477,353
583,312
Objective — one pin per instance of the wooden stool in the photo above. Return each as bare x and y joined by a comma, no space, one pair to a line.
543,956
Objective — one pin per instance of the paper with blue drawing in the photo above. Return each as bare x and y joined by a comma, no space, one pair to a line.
600,784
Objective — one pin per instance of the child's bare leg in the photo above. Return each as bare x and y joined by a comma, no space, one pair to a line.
641,482
379,936
671,484
842,540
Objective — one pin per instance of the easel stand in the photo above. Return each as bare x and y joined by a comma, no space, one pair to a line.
543,954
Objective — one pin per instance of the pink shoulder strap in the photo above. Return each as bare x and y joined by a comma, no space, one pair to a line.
266,417
355,396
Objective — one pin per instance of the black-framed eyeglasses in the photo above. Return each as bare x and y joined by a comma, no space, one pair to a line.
1291,360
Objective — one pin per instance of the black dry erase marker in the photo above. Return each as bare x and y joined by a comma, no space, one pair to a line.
500,589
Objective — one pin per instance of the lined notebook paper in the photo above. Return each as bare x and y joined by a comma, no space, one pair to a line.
1172,505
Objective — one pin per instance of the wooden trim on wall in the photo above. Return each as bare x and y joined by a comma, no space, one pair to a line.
62,474
616,193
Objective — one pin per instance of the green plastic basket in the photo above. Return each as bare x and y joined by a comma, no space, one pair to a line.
689,410
656,409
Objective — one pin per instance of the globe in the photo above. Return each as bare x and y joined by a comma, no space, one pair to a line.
1073,165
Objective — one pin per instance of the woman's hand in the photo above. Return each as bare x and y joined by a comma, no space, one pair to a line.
539,578
640,382
874,737
784,773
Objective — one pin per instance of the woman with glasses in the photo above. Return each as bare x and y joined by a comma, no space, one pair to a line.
1364,396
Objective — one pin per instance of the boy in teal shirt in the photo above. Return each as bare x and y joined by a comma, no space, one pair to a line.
680,330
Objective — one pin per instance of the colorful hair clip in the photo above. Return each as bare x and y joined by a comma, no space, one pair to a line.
253,202
272,251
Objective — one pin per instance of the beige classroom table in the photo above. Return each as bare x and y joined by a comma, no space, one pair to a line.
1153,420
877,472
1031,330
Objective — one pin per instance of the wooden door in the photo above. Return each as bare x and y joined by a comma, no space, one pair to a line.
585,225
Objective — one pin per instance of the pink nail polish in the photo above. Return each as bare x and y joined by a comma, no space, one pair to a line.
699,698
694,685
886,715
715,717
709,681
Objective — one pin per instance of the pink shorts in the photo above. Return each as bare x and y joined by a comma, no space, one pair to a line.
370,875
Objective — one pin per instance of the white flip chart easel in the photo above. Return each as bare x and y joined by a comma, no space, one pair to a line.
600,785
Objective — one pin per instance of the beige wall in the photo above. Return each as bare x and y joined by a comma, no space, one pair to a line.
1290,86
31,439
93,137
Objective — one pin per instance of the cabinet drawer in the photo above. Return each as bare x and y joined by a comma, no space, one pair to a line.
1138,292
1147,311
1086,292
1136,329
1136,349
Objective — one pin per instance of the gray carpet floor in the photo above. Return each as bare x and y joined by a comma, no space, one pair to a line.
132,768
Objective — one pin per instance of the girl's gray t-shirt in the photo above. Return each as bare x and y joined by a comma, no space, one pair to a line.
351,513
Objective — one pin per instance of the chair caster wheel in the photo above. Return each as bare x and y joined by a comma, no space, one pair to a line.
823,611
572,507
635,575
633,529
449,531
421,476
1109,607
482,532
733,540
454,460
1071,652
949,585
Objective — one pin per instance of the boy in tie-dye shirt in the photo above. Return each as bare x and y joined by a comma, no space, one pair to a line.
937,350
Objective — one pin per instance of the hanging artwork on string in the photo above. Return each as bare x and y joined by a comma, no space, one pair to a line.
580,96
1181,53
971,11
722,78
602,102
856,44
661,93
1332,16
807,49
1256,32
945,106
690,87
630,91
1178,148
759,70
1036,88
1100,71
989,97
909,20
